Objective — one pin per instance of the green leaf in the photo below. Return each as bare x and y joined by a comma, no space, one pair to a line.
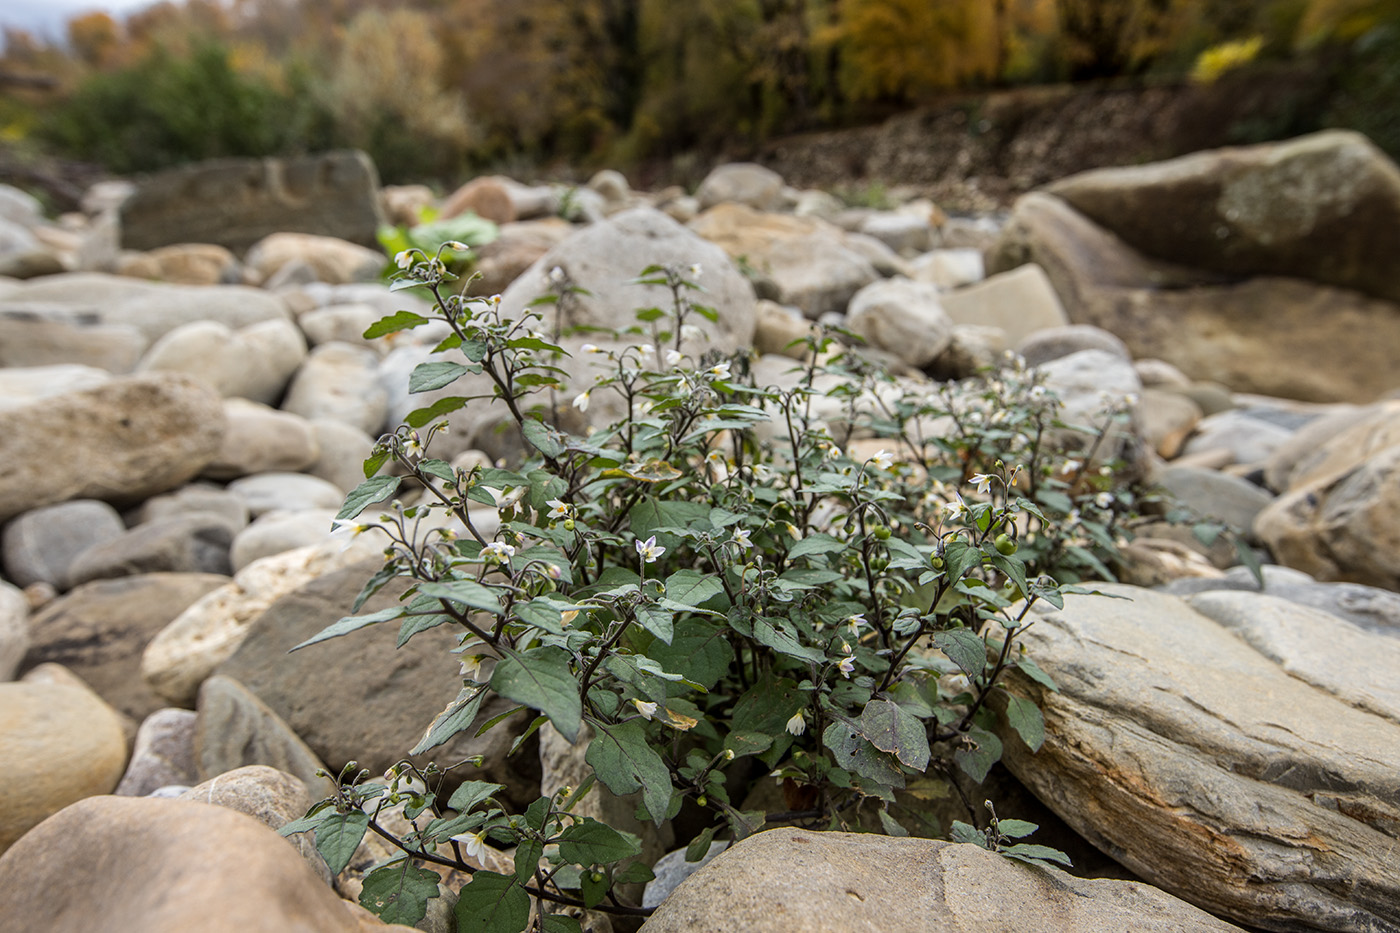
541,678
979,751
527,859
968,834
693,588
1024,716
543,438
375,489
429,376
593,843
1016,829
767,632
419,623
559,923
965,648
466,592
1035,854
961,557
375,460
351,624
1033,671
399,892
443,406
1013,567
624,762
817,543
700,846
657,621
890,729
698,651
492,903
439,468
471,793
338,836
399,320
854,753
457,717
890,824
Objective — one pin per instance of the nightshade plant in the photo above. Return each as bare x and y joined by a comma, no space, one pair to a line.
714,590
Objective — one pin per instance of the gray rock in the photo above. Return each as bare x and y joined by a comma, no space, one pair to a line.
777,326
122,442
163,755
1210,770
1333,444
259,439
253,363
41,545
236,202
290,492
20,207
1249,439
948,268
1166,419
330,259
338,380
906,234
344,449
796,881
1086,382
235,729
902,317
47,336
672,868
184,544
20,385
876,252
743,183
14,630
1215,495
340,324
1055,342
197,499
1020,302
99,631
278,532
370,710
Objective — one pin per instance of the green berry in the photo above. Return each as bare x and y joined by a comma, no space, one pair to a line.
881,533
568,524
1005,544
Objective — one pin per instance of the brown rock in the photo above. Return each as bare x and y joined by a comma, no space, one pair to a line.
183,263
486,197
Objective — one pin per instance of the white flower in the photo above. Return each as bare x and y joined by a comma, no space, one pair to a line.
556,276
1070,466
645,350
649,549
833,452
982,481
720,370
856,621
792,530
741,538
558,508
847,665
474,843
590,348
1104,500
673,357
695,271
715,458
581,401
471,665
956,508
646,708
497,551
457,245
347,530
404,259
1037,392
797,724
1073,517
882,459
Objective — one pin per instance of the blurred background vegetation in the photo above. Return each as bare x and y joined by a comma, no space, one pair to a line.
434,89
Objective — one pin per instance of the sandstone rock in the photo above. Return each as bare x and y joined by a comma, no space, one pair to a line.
1333,444
948,268
973,350
485,196
741,183
253,363
341,324
1020,302
42,544
100,629
234,729
1258,335
1215,495
796,881
1249,439
20,207
20,385
344,449
54,336
338,381
672,868
518,246
14,630
1343,527
197,499
404,205
259,439
876,252
277,532
124,441
184,544
906,234
1086,382
903,317
1055,342
163,754
1319,207
183,264
1166,419
122,863
807,259
331,259
59,743
188,649
1159,374
288,492
379,698
611,184
777,326
1209,770
237,202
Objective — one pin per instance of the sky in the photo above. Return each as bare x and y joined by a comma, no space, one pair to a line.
45,18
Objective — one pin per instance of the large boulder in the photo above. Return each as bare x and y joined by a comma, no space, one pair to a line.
122,442
41,545
902,317
166,866
808,261
1258,335
237,202
1224,759
253,362
1324,207
741,183
332,259
795,881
